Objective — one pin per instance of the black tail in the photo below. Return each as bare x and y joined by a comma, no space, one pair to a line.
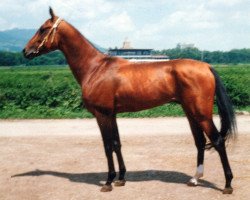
225,108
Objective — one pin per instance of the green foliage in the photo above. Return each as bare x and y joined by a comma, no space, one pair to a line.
171,109
52,92
234,56
10,59
237,82
53,58
46,89
56,58
16,59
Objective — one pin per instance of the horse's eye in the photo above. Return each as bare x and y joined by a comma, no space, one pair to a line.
42,30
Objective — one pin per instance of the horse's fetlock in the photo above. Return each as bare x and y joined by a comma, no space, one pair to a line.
111,175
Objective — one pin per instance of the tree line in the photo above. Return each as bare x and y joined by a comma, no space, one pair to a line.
17,59
234,56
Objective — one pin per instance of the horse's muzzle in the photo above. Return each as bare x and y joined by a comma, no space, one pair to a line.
29,54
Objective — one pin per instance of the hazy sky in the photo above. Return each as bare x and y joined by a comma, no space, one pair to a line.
158,24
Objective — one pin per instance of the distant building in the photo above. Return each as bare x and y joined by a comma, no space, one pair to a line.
135,54
127,44
184,46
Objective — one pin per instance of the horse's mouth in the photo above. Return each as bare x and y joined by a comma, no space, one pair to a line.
30,54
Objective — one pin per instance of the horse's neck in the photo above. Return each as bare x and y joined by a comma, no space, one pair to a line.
80,54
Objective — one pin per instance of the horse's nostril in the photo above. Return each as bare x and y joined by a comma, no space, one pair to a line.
24,51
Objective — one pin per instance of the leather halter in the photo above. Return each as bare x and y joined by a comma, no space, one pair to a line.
53,31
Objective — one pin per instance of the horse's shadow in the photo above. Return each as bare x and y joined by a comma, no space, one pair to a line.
95,178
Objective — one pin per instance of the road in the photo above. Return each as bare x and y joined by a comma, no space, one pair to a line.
64,159
88,127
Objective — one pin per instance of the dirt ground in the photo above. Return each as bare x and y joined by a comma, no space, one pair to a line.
65,160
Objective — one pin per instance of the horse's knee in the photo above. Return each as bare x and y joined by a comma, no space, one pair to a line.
113,146
108,149
116,146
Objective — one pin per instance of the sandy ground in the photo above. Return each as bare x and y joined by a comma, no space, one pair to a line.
64,159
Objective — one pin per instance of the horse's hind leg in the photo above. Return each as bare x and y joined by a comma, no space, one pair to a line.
200,142
219,144
201,114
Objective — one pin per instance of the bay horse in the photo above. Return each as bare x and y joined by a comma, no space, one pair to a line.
112,85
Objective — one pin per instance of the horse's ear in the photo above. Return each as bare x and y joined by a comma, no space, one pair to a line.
51,12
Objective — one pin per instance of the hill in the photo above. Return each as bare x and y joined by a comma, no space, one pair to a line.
14,40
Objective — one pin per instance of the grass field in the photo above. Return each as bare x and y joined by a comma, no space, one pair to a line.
52,92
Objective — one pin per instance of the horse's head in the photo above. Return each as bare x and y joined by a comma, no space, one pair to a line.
45,39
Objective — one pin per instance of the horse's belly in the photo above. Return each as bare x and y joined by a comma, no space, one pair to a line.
133,103
135,107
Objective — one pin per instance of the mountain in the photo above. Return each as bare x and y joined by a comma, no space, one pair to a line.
14,40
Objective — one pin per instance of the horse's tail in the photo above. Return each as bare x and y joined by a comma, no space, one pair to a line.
225,109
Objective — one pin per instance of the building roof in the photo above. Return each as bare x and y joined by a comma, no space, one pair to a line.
116,49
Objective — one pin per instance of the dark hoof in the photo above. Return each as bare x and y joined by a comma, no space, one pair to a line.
190,184
228,190
106,188
120,183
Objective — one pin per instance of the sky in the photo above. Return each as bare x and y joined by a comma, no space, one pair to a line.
159,24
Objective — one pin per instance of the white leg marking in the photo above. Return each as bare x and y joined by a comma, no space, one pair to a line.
199,171
198,174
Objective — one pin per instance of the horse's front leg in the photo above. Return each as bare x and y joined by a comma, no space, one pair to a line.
105,124
117,148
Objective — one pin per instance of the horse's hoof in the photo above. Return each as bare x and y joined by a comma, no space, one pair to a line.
228,190
120,183
192,182
106,188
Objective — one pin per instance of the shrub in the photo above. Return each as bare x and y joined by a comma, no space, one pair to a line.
52,92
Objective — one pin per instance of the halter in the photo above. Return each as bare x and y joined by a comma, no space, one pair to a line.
53,31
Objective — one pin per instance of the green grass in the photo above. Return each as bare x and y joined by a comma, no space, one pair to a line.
52,92
171,109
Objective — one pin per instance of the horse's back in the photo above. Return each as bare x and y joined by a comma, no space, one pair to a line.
146,85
